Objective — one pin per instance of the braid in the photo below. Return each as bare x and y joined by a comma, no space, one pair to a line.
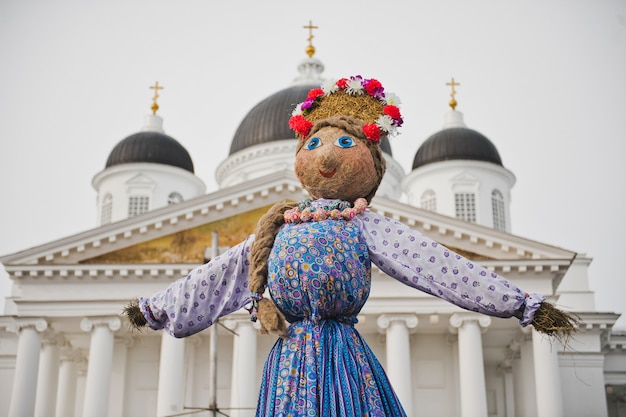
272,321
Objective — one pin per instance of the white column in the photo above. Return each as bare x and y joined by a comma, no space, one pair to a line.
192,344
100,362
48,378
244,384
506,371
398,346
524,375
118,375
66,393
509,393
26,366
171,388
547,376
81,383
471,366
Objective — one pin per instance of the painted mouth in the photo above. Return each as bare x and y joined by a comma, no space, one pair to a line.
327,174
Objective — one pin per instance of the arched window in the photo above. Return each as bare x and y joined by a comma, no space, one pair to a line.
429,200
174,197
106,211
465,206
497,208
138,204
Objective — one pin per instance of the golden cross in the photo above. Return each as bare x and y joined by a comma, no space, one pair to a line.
156,87
310,50
453,102
310,28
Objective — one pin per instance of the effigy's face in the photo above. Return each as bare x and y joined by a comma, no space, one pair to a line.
334,165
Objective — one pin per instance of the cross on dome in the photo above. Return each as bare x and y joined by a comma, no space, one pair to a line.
156,87
310,50
453,102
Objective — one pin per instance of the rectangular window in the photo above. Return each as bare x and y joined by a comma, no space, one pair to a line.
497,206
430,204
107,212
465,206
138,205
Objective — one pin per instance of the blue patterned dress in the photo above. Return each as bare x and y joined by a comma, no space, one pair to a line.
319,277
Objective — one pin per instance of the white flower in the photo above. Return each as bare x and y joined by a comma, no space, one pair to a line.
354,86
297,110
329,87
392,99
385,122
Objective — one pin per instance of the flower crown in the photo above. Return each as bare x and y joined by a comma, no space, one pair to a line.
356,96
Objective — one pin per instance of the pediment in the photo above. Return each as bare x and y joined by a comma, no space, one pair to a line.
465,178
140,179
191,245
180,233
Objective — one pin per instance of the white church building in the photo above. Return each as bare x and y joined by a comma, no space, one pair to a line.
66,351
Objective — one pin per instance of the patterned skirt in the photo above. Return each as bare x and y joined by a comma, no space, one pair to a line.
325,369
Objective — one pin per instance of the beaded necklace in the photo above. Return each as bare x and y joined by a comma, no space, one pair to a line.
338,210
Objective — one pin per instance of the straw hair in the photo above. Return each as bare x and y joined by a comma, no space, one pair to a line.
552,321
360,106
134,315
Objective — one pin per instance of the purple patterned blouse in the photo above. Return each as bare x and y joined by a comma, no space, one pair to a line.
193,303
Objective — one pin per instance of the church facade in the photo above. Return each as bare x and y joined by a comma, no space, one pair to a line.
66,351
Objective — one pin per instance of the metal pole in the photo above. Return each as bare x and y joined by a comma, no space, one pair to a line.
213,347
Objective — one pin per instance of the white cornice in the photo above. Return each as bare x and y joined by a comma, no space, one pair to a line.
264,191
128,272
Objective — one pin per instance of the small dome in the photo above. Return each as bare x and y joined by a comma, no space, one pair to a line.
456,143
150,146
269,120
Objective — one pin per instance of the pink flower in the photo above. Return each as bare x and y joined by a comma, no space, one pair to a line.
392,111
342,83
320,215
315,93
374,88
305,216
360,204
372,132
300,125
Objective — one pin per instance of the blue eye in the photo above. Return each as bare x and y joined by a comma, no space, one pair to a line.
313,143
345,142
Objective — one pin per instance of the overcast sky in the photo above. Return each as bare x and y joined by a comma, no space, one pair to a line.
544,80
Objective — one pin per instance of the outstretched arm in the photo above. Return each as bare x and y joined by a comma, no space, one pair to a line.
193,303
418,261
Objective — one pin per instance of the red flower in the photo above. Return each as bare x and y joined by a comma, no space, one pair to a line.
315,93
373,87
372,132
392,111
342,83
300,125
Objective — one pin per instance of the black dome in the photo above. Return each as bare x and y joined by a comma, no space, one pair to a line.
456,143
269,120
152,147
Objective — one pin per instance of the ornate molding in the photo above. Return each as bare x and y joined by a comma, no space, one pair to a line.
408,319
51,337
89,323
40,325
459,319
